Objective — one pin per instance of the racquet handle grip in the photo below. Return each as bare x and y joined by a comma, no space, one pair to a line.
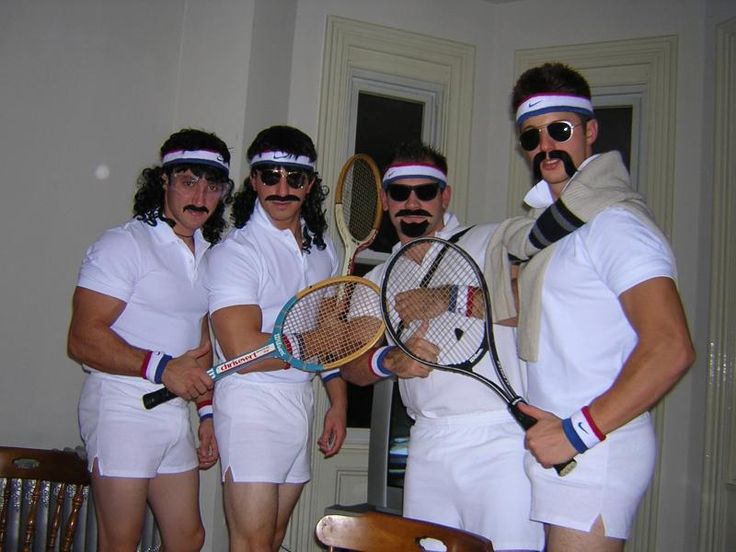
526,421
155,398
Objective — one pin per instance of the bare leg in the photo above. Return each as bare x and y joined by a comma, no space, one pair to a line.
258,514
174,499
564,539
120,505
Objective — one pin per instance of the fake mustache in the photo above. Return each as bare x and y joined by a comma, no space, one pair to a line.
282,198
567,162
197,208
413,213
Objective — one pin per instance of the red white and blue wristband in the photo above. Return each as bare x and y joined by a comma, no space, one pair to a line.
153,365
376,361
582,431
204,409
461,300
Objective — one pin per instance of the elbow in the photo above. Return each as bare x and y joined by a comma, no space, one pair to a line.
683,353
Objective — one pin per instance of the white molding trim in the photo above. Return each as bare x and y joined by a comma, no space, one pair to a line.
719,473
647,67
355,47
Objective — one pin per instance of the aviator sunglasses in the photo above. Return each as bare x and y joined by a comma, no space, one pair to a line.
296,179
424,192
559,131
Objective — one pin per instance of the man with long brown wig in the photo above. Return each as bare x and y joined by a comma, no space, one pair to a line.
139,321
263,418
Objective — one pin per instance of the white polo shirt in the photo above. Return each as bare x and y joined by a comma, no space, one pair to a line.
262,265
443,393
159,279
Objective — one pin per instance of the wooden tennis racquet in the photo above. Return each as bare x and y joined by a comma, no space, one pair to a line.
433,289
357,207
323,326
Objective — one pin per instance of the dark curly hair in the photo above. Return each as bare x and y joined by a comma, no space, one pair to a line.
148,204
290,140
550,77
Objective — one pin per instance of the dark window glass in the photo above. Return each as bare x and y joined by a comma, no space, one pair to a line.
614,131
382,123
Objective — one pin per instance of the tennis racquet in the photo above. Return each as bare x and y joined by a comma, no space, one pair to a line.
323,326
357,207
433,290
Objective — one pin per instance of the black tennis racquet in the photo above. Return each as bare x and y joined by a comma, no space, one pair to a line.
323,326
357,207
434,290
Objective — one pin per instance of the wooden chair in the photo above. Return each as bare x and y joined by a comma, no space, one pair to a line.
380,532
34,484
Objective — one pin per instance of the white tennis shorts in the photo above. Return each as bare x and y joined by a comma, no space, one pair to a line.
126,439
468,472
263,430
609,481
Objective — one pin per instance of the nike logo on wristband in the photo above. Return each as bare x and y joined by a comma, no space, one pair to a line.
580,425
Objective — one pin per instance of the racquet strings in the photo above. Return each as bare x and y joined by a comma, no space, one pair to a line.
333,323
360,200
431,288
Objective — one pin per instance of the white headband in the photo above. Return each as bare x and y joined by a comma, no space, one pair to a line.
198,157
282,158
398,172
549,103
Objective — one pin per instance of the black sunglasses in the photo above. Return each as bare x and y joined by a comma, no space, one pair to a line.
296,179
424,192
559,131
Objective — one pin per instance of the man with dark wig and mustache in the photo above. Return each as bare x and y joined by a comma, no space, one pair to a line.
600,325
139,320
263,418
465,462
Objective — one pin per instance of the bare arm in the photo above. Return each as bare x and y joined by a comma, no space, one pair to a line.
238,330
92,341
335,423
661,357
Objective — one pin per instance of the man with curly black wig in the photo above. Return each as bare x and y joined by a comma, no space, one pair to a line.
263,418
139,321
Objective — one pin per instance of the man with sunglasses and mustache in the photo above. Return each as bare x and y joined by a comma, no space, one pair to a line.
139,320
263,418
465,462
601,324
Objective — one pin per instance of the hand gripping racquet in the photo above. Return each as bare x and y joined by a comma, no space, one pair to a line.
357,207
323,326
432,289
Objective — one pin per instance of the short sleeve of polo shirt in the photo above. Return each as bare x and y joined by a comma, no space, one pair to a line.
111,265
233,275
625,251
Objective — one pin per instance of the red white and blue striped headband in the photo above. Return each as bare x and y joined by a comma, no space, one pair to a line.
282,159
196,157
414,170
539,104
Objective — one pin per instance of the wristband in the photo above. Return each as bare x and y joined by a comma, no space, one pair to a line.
376,361
153,365
461,300
586,428
572,436
204,409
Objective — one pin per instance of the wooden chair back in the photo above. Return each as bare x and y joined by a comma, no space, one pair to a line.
381,532
36,482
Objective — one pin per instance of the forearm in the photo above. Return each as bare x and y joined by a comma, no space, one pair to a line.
98,347
649,373
359,372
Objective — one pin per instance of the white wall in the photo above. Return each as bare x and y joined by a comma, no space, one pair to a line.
85,83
